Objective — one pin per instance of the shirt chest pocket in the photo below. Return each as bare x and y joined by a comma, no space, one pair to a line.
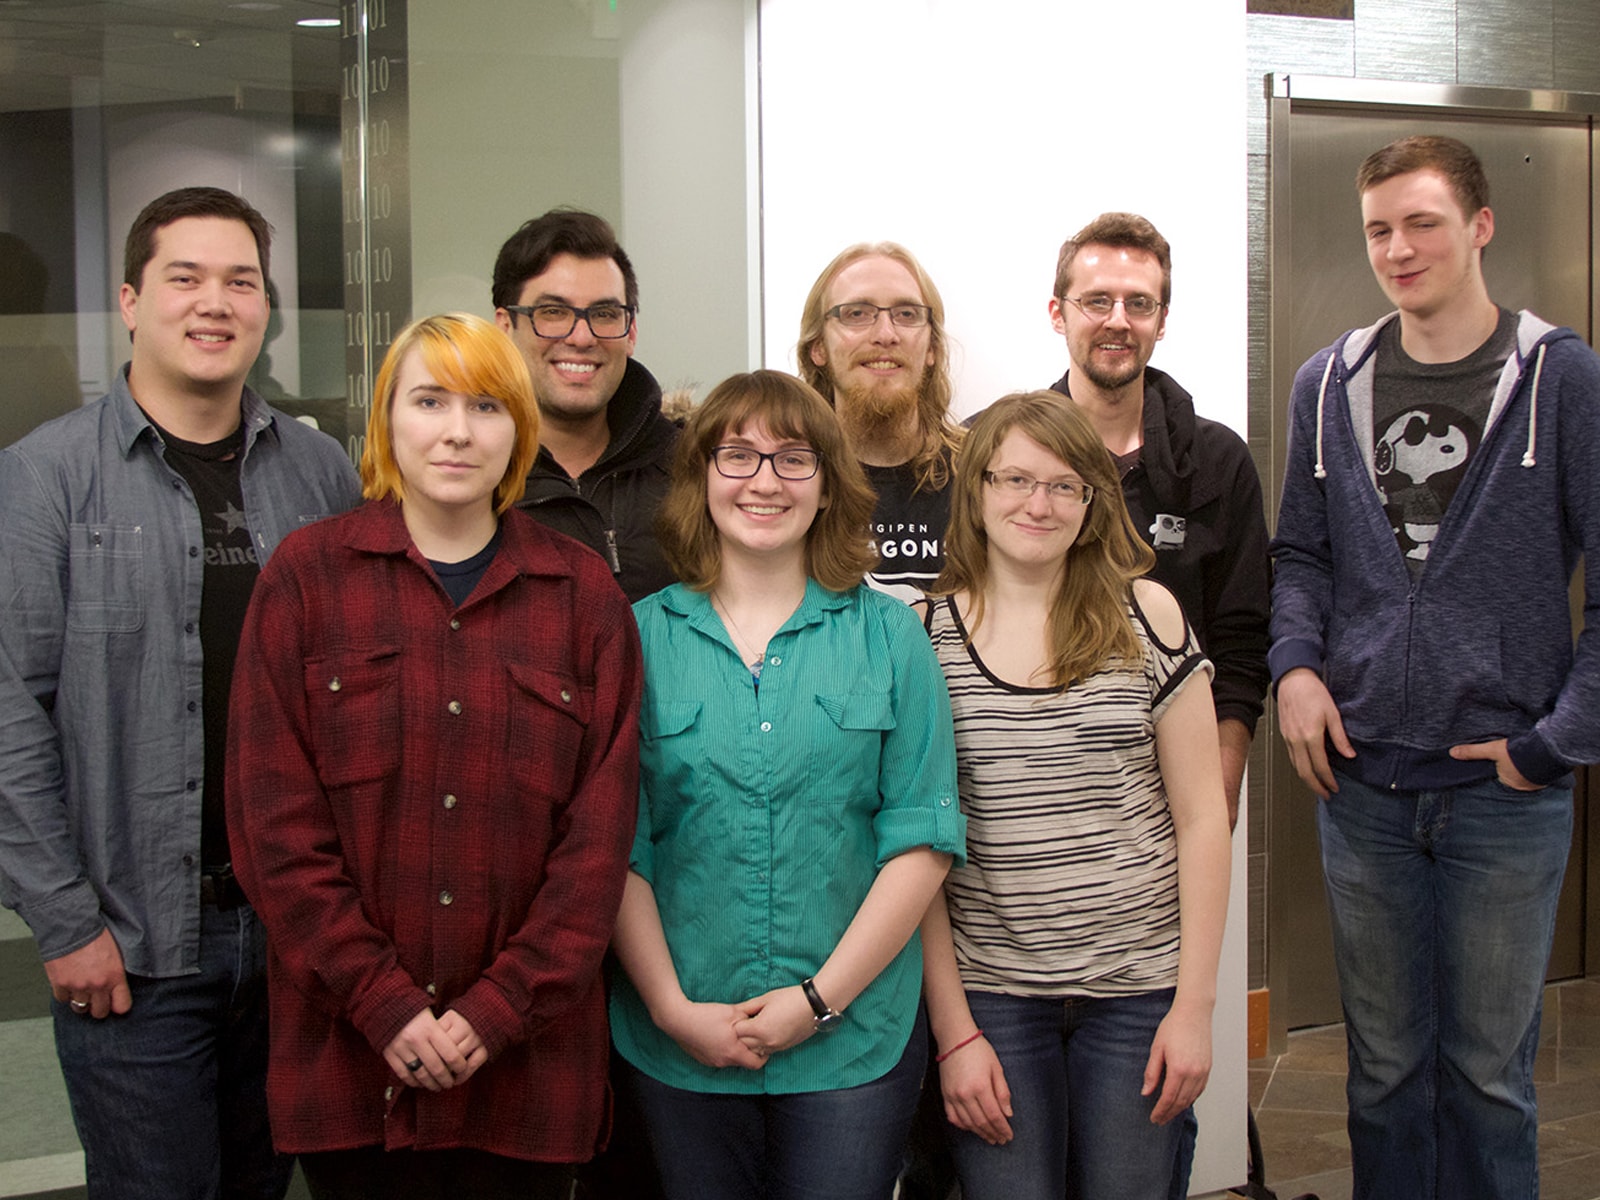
353,705
846,761
547,722
106,588
673,755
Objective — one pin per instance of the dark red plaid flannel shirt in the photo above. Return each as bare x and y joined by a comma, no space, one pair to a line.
433,807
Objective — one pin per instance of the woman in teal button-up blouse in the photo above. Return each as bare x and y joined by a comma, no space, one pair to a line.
797,814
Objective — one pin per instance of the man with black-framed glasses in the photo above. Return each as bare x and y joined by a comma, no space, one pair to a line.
566,294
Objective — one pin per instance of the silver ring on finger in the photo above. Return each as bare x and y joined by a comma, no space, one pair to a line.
78,1005
414,1065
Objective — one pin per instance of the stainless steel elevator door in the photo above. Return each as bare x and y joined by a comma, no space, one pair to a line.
1541,258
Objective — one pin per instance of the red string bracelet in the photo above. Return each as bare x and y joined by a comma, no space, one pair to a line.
939,1058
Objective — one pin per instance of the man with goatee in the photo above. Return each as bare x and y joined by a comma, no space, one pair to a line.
872,341
1190,484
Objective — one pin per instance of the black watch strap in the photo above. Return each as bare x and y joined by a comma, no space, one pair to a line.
824,1016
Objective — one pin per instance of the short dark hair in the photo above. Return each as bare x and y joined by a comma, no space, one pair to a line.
189,202
1451,158
1120,231
528,251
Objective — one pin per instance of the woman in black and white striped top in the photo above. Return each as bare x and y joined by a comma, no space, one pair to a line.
1071,968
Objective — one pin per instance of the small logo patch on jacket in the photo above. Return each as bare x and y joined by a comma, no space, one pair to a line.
1168,531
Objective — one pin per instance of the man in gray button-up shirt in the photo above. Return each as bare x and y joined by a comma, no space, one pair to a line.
132,533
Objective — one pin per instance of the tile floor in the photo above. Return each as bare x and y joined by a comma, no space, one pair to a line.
1300,1108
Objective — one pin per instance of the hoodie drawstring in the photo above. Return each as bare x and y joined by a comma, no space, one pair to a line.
1322,395
1533,409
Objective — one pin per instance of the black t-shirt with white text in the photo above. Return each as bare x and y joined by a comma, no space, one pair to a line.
907,530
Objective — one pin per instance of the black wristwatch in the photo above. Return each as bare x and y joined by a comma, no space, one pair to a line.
821,1015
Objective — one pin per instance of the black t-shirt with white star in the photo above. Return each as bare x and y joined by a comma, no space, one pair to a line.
231,567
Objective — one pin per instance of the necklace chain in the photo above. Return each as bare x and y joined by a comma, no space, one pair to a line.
741,641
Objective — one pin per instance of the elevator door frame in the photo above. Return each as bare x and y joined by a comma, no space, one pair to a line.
1298,945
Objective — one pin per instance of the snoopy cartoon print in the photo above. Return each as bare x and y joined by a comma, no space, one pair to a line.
1419,459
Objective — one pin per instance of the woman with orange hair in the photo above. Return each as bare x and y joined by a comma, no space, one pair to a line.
431,797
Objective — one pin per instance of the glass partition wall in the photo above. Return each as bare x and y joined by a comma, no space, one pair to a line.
104,107
393,147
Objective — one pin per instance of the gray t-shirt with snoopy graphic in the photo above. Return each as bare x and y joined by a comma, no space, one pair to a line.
1427,422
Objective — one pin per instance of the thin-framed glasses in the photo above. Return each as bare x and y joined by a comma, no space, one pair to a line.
741,462
858,316
1138,307
556,321
1068,491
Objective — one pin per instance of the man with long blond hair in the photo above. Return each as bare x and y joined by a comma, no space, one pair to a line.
873,342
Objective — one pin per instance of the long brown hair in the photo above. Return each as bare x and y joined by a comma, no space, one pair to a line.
1088,621
838,545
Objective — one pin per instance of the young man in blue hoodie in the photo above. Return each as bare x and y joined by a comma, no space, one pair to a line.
1443,479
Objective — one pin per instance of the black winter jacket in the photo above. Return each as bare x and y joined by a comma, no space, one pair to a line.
1199,472
611,507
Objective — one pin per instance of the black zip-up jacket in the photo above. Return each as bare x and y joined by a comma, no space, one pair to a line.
1200,471
611,507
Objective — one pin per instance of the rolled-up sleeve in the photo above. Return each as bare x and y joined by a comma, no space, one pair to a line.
917,775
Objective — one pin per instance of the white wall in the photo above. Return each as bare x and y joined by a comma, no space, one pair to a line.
981,136
687,159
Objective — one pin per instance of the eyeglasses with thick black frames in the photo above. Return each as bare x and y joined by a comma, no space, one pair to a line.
556,321
742,462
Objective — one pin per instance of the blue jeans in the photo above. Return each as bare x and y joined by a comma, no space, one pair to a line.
1081,1129
1443,907
169,1099
843,1144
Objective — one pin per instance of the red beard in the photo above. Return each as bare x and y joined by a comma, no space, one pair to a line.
874,416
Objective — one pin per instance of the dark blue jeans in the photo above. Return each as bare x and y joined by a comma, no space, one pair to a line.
169,1099
1080,1127
843,1144
1443,906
